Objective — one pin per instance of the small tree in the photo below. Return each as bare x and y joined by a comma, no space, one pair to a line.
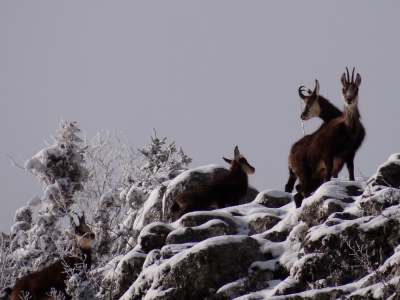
105,178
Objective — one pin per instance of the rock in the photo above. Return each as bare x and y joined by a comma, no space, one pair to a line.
347,247
254,282
273,198
230,256
151,211
198,218
200,233
331,197
153,236
389,174
262,222
119,280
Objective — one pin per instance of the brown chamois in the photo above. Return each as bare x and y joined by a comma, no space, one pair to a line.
40,283
316,105
221,192
332,145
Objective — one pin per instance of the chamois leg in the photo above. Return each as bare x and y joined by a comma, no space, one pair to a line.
350,166
291,181
298,199
328,170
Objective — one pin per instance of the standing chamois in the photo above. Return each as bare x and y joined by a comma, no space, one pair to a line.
224,191
332,145
39,284
315,105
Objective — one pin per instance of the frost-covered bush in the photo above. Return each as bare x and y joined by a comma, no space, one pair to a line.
60,168
37,241
120,181
107,180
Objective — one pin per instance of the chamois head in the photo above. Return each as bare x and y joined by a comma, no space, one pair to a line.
241,161
84,237
350,88
312,108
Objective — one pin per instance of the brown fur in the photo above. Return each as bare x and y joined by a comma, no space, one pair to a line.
39,283
224,191
332,145
315,106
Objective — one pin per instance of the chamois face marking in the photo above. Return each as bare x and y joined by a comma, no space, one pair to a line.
242,161
350,89
311,108
83,235
246,167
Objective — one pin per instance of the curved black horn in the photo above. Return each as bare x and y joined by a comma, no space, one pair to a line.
348,76
300,92
352,76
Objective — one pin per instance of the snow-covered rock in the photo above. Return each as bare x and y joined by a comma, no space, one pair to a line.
336,245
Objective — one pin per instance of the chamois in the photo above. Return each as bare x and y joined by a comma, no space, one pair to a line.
224,191
316,105
40,283
332,145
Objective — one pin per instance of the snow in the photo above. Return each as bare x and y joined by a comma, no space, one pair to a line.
185,175
21,225
149,203
264,265
394,157
334,189
34,201
272,193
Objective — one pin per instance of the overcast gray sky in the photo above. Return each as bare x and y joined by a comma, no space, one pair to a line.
209,75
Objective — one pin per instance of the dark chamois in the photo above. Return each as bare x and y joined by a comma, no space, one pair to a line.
315,105
39,284
332,145
224,191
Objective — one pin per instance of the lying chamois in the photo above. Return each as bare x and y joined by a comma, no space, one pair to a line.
224,191
315,106
39,284
332,145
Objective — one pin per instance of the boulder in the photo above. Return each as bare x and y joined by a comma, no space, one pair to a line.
198,272
153,236
194,177
200,233
273,198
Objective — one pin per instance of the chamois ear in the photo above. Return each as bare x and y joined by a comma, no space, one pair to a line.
316,90
229,161
343,79
73,224
82,219
237,153
358,80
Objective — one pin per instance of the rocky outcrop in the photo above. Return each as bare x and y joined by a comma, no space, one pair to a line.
157,206
343,243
